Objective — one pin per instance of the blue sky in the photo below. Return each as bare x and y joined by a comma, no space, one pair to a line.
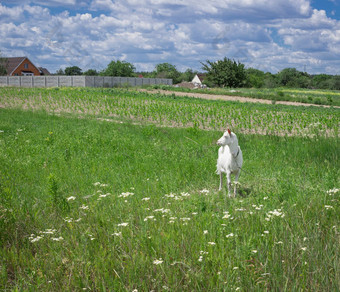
264,34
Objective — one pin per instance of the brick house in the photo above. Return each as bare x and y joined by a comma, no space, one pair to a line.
22,66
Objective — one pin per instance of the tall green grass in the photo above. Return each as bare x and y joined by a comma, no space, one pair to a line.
105,206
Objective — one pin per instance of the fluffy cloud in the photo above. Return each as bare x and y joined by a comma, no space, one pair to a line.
268,35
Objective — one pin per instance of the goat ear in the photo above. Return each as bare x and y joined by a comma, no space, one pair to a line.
229,132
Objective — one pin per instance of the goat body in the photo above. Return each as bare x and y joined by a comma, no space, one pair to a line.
229,160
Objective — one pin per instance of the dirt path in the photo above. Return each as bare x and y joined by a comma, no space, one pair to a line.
230,98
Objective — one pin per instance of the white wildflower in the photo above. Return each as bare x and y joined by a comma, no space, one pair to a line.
254,251
162,210
96,184
84,207
183,194
149,217
57,238
146,199
185,219
226,216
200,259
32,239
71,198
235,268
275,213
204,191
119,234
125,195
158,262
48,231
229,235
240,209
303,248
211,243
205,232
329,207
123,224
332,191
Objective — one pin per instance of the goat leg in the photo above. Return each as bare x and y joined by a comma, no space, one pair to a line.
229,183
221,181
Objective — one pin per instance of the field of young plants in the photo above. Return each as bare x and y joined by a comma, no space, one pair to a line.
308,96
115,190
177,111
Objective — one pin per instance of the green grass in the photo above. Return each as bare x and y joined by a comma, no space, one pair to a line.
282,233
310,96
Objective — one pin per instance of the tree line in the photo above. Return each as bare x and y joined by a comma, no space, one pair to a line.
220,73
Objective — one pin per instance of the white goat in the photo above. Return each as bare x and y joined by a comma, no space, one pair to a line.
230,159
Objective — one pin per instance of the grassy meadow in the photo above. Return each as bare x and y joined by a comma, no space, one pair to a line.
115,190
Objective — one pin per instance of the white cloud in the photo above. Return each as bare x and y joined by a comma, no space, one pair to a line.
268,35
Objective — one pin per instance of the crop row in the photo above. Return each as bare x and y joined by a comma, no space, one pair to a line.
177,111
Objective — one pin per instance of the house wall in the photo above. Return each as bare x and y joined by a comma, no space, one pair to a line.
21,68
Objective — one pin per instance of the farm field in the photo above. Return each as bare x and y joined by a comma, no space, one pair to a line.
115,190
307,96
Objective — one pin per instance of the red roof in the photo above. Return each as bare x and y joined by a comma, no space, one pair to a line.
14,62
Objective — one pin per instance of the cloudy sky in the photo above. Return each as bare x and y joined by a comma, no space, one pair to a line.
269,35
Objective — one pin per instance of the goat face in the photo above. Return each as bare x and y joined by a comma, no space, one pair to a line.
226,139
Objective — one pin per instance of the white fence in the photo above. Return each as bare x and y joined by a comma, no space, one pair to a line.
79,81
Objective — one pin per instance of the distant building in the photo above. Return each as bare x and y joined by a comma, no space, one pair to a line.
22,66
44,71
198,79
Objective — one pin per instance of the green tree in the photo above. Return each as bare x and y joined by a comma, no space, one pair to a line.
270,80
3,61
119,68
293,78
166,70
188,75
322,81
60,72
255,78
336,82
74,70
91,72
225,73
